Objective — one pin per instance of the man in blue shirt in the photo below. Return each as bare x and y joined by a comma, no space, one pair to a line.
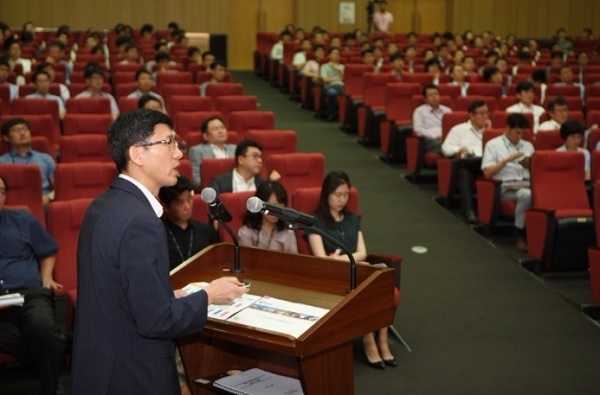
41,80
29,332
16,133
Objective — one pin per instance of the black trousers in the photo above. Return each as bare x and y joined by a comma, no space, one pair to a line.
468,171
31,335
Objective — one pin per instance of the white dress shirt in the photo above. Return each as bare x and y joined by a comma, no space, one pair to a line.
464,135
427,121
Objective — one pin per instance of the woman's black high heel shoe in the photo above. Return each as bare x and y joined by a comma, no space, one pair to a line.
391,362
376,365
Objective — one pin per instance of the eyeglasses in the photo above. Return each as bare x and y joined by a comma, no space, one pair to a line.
254,155
172,142
19,128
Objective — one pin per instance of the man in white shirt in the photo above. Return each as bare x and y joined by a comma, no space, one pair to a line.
277,50
457,72
145,83
13,49
558,108
526,94
218,72
4,74
41,81
215,135
383,18
464,141
94,78
299,59
49,68
427,119
565,74
506,158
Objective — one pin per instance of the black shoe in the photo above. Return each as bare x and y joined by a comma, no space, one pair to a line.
391,362
376,365
331,118
472,218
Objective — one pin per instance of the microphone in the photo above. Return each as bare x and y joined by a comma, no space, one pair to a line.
255,205
209,196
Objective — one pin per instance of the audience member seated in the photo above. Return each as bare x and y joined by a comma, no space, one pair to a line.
565,74
162,63
558,108
277,50
185,236
56,51
464,141
50,69
493,75
334,218
526,95
268,231
215,135
41,82
4,74
218,72
427,119
245,176
131,53
469,65
13,50
29,332
565,45
572,131
332,75
457,72
397,63
145,83
299,60
506,158
208,57
312,66
410,55
151,103
17,134
94,79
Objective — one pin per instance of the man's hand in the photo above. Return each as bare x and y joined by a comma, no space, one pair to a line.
462,151
274,176
223,290
514,156
180,293
51,284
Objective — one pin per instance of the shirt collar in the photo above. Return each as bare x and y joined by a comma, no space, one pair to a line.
14,152
156,206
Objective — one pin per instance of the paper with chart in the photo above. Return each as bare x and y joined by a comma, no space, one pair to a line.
223,312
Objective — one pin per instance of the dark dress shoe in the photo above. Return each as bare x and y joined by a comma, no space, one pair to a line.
376,365
472,218
391,362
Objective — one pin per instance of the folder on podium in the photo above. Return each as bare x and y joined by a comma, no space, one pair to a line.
321,357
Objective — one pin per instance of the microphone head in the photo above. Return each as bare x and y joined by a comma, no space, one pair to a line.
208,195
254,204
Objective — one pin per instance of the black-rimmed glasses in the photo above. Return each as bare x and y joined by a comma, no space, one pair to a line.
172,142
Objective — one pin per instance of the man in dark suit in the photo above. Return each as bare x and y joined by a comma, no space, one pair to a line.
127,312
245,175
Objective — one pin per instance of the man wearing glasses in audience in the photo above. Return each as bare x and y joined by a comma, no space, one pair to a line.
128,314
245,176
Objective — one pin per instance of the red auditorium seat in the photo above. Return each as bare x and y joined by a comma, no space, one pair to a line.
77,87
5,97
91,105
25,188
180,77
200,210
73,180
64,222
297,169
228,104
21,106
170,90
242,121
194,138
236,204
28,89
185,169
124,78
353,94
178,104
274,141
224,89
212,167
559,225
127,103
191,122
124,89
485,89
84,148
86,123
372,111
560,90
462,102
499,118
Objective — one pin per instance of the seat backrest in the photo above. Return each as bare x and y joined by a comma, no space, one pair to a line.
191,122
499,118
574,102
453,91
451,119
462,102
127,104
306,200
298,170
24,188
563,90
228,104
200,210
548,140
212,167
243,121
194,138
86,123
417,100
170,90
595,169
64,223
84,148
178,77
186,103
5,97
185,168
77,87
274,141
485,89
374,88
91,105
236,205
592,103
353,78
73,181
224,89
124,88
550,169
506,101
397,100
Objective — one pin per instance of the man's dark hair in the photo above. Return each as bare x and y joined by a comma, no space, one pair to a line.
442,46
35,75
429,86
333,49
217,63
207,53
491,54
168,194
318,46
366,51
517,120
285,33
57,44
147,27
557,101
131,128
243,146
145,99
159,43
4,61
63,29
556,54
397,55
349,36
565,66
524,55
539,76
432,62
42,66
571,126
173,26
162,55
130,45
525,86
140,72
123,40
6,126
264,192
489,72
92,68
204,126
475,104
193,50
9,42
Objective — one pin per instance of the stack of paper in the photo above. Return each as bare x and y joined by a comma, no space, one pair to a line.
11,300
259,382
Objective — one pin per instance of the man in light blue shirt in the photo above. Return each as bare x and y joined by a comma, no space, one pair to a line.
41,81
144,81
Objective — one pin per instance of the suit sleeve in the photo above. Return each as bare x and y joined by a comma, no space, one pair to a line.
144,278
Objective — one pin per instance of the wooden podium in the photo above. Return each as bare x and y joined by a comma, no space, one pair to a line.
322,357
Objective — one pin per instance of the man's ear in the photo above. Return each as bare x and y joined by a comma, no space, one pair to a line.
135,155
